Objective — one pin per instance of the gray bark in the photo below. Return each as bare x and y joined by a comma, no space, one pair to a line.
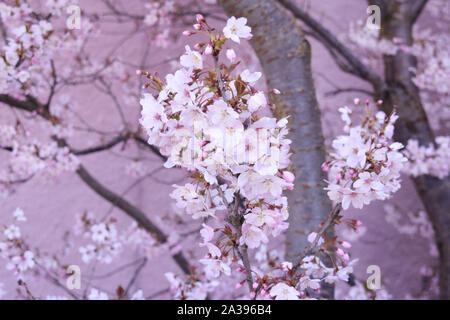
285,56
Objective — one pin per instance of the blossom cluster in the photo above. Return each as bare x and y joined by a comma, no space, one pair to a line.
24,261
428,160
159,15
209,122
14,249
365,164
368,40
282,280
29,157
24,44
105,245
106,241
32,46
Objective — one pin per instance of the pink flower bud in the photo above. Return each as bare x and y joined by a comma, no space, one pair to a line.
197,26
288,176
340,252
359,223
208,50
325,167
252,295
187,33
231,55
238,286
199,18
138,72
275,91
346,244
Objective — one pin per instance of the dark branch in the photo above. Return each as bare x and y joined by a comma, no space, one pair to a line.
416,9
132,211
151,147
102,147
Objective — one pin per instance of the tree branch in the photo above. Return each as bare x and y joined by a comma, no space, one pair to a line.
108,145
329,222
416,9
357,67
131,211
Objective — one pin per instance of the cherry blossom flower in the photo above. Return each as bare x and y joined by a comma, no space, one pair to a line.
250,77
365,165
307,282
214,267
24,262
237,28
19,215
207,233
231,55
428,160
191,59
12,232
282,291
253,236
257,101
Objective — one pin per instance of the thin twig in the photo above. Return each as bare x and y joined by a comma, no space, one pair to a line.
135,275
324,226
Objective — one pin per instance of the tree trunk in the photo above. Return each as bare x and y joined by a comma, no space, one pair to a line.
398,19
285,56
